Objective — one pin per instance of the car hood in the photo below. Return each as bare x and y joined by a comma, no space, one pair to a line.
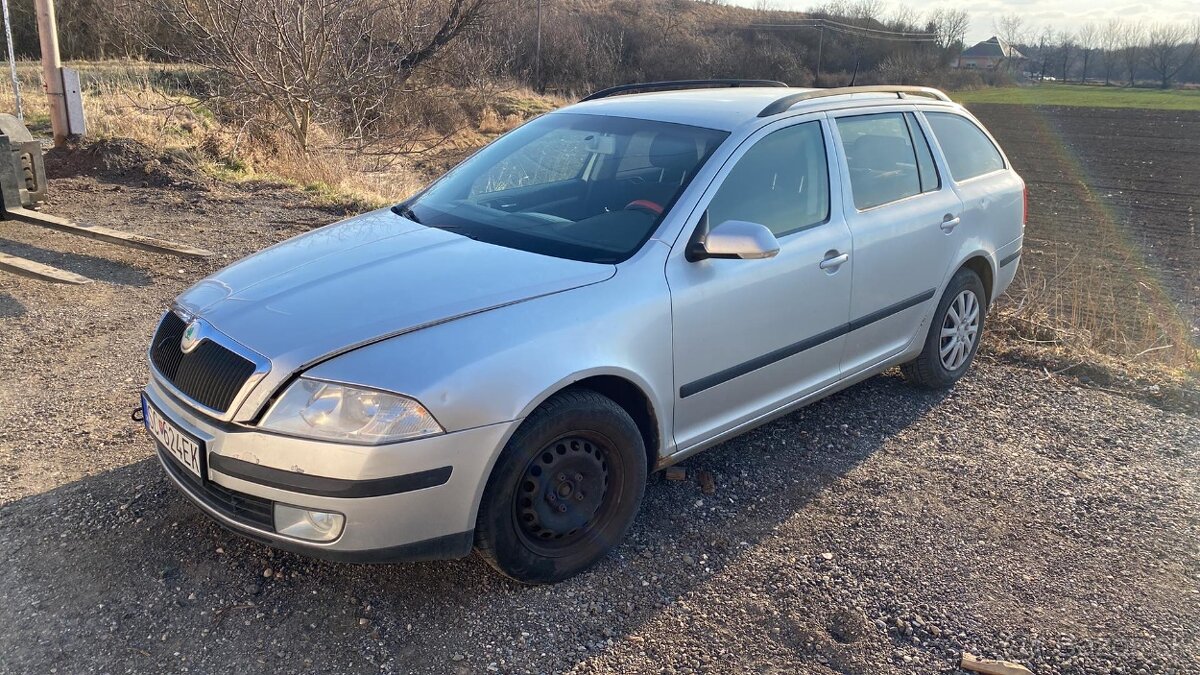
366,279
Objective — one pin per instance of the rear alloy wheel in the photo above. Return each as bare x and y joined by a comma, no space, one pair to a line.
953,336
960,329
564,491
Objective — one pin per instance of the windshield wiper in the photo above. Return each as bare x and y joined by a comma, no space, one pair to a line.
406,211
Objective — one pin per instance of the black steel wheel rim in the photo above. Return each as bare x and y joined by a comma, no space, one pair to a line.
566,493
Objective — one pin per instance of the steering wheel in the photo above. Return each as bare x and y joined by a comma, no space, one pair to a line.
653,208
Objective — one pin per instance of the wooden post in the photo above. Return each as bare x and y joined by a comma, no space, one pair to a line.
12,62
52,69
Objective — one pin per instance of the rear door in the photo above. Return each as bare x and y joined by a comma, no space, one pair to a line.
992,194
902,216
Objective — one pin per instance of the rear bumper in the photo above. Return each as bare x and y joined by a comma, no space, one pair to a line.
1008,258
407,501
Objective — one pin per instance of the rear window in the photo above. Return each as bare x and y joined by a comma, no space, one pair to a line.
881,158
969,152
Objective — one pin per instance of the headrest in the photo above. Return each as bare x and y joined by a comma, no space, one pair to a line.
673,152
882,152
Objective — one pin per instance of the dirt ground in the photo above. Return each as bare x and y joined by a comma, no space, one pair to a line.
1022,515
1114,206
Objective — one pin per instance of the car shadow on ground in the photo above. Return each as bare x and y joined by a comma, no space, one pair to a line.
10,307
121,552
90,266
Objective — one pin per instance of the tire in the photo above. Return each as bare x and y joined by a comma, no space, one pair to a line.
932,368
564,490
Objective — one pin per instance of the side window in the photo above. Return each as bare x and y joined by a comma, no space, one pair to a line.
880,157
968,151
559,155
781,182
930,181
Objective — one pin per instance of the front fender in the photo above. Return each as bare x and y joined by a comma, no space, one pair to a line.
499,365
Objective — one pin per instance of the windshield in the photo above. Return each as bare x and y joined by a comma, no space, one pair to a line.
584,187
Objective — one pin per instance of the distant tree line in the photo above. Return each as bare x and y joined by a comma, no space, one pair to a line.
1118,51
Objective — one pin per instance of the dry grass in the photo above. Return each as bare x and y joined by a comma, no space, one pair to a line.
1100,307
152,103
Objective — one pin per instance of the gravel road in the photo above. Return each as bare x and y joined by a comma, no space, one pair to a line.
883,530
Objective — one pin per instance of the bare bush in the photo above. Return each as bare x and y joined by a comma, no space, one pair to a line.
308,63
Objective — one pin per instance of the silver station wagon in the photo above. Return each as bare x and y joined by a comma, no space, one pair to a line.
498,362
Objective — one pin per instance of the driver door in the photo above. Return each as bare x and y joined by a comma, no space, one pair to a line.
752,335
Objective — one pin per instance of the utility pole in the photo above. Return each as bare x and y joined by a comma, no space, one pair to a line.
537,67
52,70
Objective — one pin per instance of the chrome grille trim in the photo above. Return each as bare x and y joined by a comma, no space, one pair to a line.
218,340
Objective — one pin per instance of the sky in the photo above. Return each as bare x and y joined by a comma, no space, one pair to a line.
1066,15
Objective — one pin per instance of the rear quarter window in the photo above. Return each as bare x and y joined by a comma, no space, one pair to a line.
969,152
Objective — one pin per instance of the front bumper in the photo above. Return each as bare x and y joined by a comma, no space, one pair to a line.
415,500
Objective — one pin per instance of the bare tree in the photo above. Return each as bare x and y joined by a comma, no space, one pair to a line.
866,11
1169,48
1130,47
1110,42
1088,38
1010,28
1045,50
902,17
950,26
1066,52
309,62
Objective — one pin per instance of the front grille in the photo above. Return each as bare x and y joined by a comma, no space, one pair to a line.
244,508
210,374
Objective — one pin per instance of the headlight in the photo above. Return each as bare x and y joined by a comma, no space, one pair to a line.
338,412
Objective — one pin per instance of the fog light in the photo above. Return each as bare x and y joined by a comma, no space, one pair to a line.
309,525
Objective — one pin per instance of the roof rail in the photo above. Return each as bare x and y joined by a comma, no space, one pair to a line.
783,104
678,84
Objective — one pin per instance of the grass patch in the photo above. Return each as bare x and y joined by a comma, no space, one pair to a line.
1085,96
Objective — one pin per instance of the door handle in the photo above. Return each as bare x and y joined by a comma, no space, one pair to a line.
833,261
950,222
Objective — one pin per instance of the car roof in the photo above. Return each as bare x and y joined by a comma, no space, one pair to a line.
723,108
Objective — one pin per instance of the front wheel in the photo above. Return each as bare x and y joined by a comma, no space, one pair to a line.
564,491
953,336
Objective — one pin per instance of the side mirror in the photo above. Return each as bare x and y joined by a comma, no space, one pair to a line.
737,239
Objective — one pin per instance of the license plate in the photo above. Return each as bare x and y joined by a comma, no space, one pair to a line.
181,446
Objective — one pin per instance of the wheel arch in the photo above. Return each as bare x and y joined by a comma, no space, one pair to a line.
627,391
981,264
